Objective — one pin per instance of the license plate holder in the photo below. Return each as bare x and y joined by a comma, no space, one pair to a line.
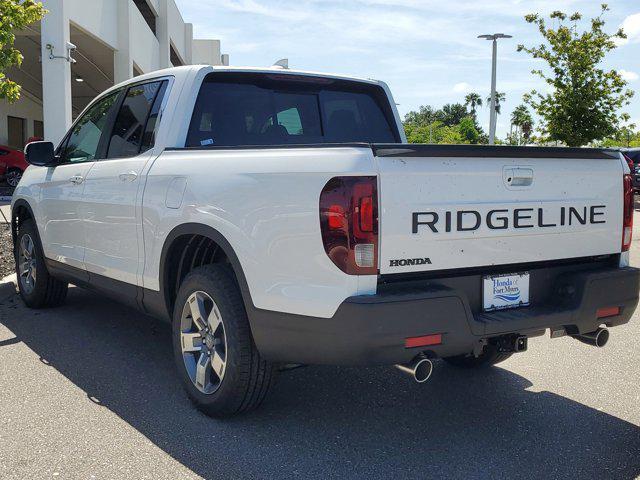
504,291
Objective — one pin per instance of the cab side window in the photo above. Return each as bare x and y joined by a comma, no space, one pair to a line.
134,126
82,143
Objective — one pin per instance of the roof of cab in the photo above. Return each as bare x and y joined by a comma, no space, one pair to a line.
186,70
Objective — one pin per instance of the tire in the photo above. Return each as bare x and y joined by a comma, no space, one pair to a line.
217,360
37,288
489,357
13,176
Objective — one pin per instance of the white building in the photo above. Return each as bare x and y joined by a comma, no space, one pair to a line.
114,41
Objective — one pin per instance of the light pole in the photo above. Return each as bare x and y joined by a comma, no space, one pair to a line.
492,118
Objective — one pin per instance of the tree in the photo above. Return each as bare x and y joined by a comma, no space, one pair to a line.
468,131
473,101
584,100
14,15
425,116
626,136
438,132
451,124
522,120
500,97
452,114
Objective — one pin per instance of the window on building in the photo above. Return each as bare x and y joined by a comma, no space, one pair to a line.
147,13
131,123
82,143
38,129
175,58
16,131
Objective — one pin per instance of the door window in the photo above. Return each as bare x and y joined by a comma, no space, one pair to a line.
130,131
82,143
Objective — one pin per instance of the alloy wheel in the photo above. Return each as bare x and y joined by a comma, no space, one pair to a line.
13,178
27,263
203,341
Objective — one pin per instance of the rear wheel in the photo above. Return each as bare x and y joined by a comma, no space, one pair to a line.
489,356
217,360
13,176
37,288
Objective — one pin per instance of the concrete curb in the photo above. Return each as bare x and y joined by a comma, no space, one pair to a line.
8,286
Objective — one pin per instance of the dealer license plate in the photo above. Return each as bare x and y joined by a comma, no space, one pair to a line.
505,291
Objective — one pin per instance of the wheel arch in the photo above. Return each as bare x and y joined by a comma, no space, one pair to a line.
21,211
173,240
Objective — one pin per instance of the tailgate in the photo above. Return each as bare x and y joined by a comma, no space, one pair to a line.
446,207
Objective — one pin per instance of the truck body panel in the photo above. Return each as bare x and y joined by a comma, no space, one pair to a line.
463,212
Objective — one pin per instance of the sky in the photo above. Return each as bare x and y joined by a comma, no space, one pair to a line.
426,50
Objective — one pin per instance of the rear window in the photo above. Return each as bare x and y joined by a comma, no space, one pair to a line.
277,109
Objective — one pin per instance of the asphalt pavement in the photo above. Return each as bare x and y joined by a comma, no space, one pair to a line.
88,390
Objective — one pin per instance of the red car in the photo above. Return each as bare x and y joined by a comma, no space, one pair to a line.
12,164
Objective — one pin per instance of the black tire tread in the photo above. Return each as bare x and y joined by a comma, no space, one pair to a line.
255,375
50,292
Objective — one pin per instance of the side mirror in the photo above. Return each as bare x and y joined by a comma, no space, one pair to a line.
40,153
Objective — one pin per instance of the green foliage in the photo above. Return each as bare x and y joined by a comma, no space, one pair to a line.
14,15
584,100
626,136
450,115
425,116
452,124
468,131
438,132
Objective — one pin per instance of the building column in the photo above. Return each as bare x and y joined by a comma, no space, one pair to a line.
122,61
56,73
188,43
162,33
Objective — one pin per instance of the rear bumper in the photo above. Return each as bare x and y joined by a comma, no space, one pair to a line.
371,330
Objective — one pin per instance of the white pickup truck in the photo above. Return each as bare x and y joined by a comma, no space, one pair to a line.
279,217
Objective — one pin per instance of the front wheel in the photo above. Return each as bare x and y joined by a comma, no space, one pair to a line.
489,356
217,360
37,288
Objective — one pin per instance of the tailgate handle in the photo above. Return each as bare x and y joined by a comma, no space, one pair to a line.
518,176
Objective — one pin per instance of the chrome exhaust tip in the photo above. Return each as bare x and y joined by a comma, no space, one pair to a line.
597,338
419,368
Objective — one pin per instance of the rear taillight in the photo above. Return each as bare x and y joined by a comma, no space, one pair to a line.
629,162
627,216
349,223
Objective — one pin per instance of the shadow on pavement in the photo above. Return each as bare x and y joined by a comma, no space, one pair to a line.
333,422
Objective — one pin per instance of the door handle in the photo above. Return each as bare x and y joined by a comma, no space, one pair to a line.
128,176
77,179
518,176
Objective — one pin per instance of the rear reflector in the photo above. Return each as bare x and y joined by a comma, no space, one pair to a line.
365,255
424,341
608,312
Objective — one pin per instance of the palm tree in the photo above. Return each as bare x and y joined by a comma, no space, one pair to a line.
522,120
473,100
500,97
